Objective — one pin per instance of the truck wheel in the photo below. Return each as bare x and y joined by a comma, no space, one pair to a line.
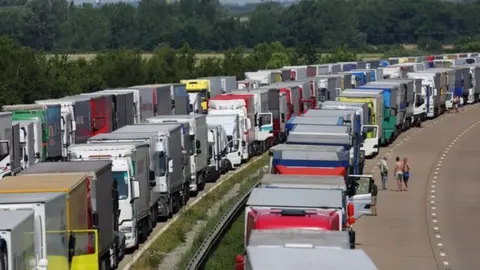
201,182
186,194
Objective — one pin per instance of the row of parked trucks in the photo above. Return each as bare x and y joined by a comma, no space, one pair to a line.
86,177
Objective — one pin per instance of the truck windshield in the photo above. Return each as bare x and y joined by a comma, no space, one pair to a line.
4,149
121,177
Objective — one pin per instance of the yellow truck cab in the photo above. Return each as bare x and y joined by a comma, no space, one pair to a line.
206,88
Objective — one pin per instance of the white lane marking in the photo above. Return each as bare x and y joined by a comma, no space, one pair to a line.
442,254
445,263
433,196
434,214
440,244
432,202
434,208
434,221
436,228
438,236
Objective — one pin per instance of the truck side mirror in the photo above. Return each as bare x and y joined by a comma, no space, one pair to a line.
25,158
244,143
37,155
135,190
95,219
71,246
197,144
151,175
170,166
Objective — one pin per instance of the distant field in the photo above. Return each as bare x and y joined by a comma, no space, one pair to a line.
90,56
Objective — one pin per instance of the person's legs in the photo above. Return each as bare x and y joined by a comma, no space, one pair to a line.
374,206
384,181
399,177
405,180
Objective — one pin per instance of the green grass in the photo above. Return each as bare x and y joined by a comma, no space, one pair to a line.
174,236
246,184
230,245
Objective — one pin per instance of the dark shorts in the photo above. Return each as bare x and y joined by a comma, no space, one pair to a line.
406,176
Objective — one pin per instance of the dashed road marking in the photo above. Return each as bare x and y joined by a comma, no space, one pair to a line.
445,263
442,254
438,236
440,244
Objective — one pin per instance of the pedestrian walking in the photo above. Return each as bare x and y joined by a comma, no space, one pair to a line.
399,168
456,100
374,198
406,172
383,172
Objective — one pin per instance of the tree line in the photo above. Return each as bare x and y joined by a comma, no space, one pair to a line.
27,75
55,25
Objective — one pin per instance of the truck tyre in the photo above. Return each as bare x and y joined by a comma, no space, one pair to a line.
351,236
201,182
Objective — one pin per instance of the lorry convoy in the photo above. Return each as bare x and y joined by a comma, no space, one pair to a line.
130,157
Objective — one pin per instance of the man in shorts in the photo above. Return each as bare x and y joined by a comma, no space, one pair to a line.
398,172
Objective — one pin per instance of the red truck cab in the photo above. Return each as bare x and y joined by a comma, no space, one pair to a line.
268,219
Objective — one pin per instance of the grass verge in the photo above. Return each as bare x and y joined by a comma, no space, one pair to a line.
175,235
223,257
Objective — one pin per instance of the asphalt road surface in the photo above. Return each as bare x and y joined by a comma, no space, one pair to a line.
433,225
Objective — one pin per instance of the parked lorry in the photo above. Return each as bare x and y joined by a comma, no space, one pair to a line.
430,92
356,189
234,148
305,206
228,83
248,84
348,66
381,115
438,80
217,143
51,126
293,257
102,112
472,85
72,211
27,143
17,241
130,171
243,106
206,88
161,96
314,70
268,115
198,144
397,71
78,110
300,94
180,97
297,73
419,107
142,103
105,208
169,188
10,149
264,77
399,96
122,107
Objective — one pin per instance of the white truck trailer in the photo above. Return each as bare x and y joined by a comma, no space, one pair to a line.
166,162
198,145
131,173
17,240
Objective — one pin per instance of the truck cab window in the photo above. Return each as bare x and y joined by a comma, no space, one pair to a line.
3,255
264,119
121,178
191,147
162,164
210,152
232,145
4,149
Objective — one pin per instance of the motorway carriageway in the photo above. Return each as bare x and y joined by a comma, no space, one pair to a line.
434,224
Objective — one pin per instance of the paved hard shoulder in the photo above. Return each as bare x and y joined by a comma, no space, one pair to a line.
399,237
